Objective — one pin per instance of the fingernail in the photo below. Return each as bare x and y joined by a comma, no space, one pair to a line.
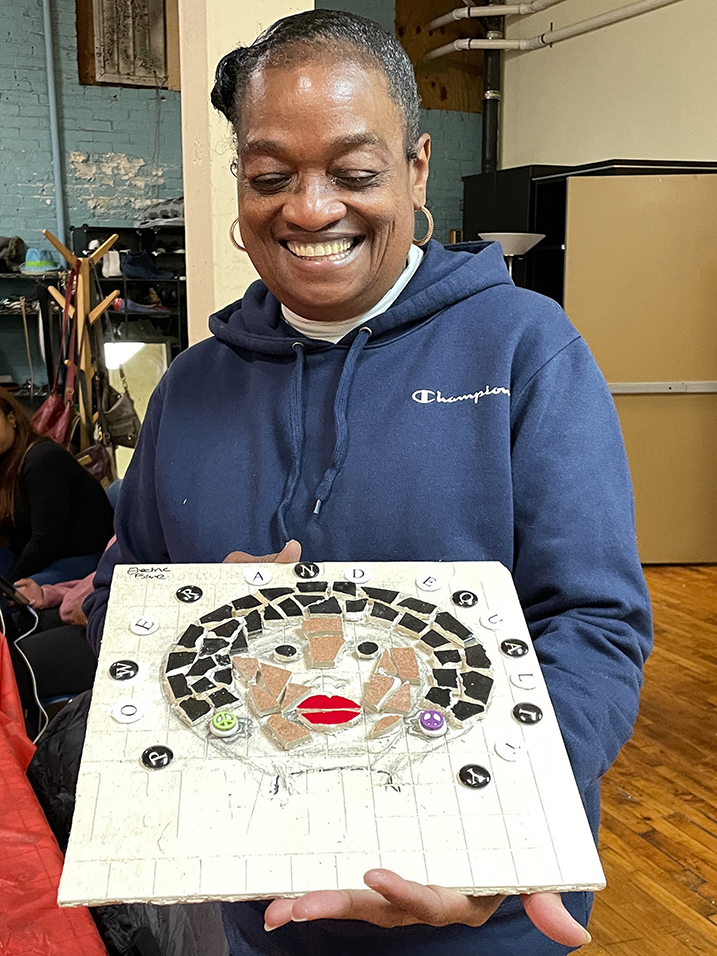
588,937
299,919
268,928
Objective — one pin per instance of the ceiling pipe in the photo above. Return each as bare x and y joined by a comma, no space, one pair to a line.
54,122
506,10
492,92
554,36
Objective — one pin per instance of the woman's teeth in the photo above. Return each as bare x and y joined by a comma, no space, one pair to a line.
326,250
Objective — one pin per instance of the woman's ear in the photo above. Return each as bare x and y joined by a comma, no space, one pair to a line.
11,418
419,170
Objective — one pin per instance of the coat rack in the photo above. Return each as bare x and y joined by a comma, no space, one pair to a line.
86,318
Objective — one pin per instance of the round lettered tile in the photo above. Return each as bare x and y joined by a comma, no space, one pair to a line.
527,713
492,621
367,650
514,648
127,712
357,573
526,680
144,624
508,749
157,757
286,653
306,570
432,723
429,582
189,594
124,670
257,577
464,598
223,724
474,776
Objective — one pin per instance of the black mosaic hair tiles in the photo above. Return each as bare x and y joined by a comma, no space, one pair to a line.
218,614
191,636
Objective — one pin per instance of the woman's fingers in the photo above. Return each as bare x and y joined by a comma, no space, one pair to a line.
391,901
336,904
289,554
435,905
548,914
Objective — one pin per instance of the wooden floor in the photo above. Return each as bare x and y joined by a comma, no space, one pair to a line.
659,832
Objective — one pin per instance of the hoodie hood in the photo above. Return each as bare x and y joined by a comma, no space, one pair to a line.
443,279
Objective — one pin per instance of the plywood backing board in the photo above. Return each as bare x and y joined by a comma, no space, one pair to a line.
453,82
671,447
641,287
241,818
641,274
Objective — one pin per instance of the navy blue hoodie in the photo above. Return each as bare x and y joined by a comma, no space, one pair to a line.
471,423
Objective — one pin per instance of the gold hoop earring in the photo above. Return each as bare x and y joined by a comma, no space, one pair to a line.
233,226
429,233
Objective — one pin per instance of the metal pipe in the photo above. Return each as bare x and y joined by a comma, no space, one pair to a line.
54,124
492,93
595,23
507,10
473,45
553,36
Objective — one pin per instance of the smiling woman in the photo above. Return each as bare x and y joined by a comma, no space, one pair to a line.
330,164
381,401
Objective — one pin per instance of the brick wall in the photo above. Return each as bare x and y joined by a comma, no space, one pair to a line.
456,137
121,148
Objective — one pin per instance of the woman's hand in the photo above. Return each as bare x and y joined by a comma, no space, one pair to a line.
392,901
289,554
32,591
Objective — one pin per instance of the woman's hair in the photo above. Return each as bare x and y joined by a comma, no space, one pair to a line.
314,35
11,461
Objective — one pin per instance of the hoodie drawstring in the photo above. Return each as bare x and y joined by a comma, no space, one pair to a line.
296,425
341,424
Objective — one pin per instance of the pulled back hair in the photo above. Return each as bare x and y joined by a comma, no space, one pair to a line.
11,461
313,35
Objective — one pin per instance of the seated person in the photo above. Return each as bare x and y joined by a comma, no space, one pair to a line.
54,513
383,399
56,652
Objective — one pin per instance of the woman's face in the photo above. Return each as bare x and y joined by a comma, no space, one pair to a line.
326,194
7,431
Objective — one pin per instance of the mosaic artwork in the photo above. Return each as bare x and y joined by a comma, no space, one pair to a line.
263,730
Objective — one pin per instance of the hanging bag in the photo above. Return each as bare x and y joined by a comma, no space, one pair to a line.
57,417
120,414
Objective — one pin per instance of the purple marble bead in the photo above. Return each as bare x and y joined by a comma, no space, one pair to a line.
432,723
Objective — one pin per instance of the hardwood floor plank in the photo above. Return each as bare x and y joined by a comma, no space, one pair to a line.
659,827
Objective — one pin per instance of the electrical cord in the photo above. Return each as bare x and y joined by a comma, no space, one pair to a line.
20,651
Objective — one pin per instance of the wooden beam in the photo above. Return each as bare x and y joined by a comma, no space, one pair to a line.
99,309
105,247
61,248
60,299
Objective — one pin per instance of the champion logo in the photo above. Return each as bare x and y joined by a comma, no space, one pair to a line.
426,396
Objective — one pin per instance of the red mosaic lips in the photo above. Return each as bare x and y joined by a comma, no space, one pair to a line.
320,709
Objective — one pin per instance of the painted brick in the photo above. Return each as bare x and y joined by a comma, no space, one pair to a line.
101,122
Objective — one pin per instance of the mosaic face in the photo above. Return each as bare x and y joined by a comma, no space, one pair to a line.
321,657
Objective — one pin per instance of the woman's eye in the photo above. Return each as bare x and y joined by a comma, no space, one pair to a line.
270,182
355,179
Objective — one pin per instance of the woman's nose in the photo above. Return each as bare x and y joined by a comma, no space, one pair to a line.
313,206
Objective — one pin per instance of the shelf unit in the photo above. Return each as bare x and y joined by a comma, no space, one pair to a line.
13,355
165,243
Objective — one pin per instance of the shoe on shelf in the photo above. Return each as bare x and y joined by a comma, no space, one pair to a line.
129,305
142,266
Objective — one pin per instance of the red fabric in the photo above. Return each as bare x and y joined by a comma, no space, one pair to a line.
31,923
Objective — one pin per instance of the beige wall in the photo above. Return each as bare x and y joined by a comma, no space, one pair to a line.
216,272
642,89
